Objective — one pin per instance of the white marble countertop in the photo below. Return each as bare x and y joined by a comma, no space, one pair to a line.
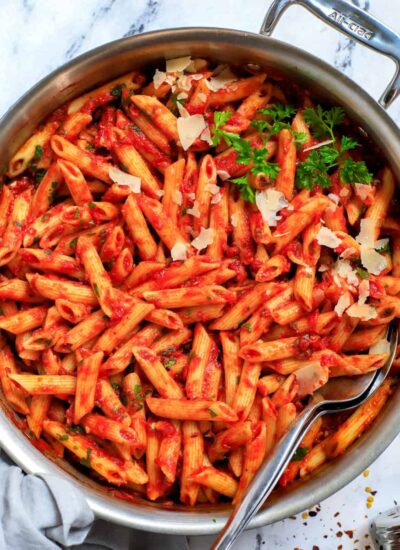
38,36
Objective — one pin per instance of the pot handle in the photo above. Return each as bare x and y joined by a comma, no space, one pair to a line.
353,22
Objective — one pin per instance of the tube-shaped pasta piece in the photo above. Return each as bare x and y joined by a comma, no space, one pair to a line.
362,339
74,123
105,428
13,234
286,157
246,305
122,267
147,247
23,321
219,220
187,409
72,312
159,114
232,364
25,154
17,290
254,454
193,451
227,440
383,197
180,297
109,402
157,484
6,200
270,351
38,410
46,384
157,373
239,89
303,286
46,191
119,331
165,227
47,260
88,328
247,388
86,380
273,268
15,396
241,231
172,340
133,393
217,480
342,332
98,277
87,162
172,198
207,177
255,326
136,165
143,273
52,288
149,129
286,417
76,182
113,244
324,323
270,383
286,392
170,447
200,356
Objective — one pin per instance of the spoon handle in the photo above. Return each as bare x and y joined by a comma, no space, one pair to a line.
266,479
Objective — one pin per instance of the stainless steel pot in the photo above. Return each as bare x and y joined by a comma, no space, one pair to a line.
222,45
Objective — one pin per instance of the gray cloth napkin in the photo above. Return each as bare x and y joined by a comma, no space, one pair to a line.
47,513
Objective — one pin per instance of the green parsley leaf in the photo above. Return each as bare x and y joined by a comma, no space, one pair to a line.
299,137
39,175
212,413
1,311
247,326
75,429
91,205
38,153
323,122
36,239
355,172
220,119
117,90
47,342
77,213
170,363
299,454
54,184
47,252
73,242
347,144
63,437
279,114
115,386
96,290
86,461
90,147
384,248
246,192
362,273
313,171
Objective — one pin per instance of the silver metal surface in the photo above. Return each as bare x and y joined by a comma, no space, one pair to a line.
355,23
385,530
337,395
222,45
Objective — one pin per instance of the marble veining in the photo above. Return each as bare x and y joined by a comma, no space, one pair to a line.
40,35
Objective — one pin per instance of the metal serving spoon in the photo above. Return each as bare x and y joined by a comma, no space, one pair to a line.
339,394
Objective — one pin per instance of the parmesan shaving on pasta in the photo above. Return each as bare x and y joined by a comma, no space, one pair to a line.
223,175
326,237
206,136
345,271
373,262
327,142
179,251
381,346
194,211
221,80
342,304
178,198
363,291
234,220
216,198
203,239
366,237
363,191
189,129
127,180
364,312
179,64
349,253
334,198
211,188
159,78
269,203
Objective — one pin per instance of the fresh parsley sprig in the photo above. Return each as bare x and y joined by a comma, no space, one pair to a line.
316,168
279,114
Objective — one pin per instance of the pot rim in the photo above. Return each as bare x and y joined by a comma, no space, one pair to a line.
360,106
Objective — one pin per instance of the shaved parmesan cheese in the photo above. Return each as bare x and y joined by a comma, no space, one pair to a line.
349,253
194,211
234,220
342,304
366,236
206,136
343,269
223,175
326,237
127,180
318,145
269,203
311,377
381,346
363,191
191,196
323,268
189,129
372,261
362,311
182,95
178,64
216,198
221,80
179,251
203,239
196,65
182,111
158,78
211,188
160,193
202,97
381,243
363,291
178,198
334,198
